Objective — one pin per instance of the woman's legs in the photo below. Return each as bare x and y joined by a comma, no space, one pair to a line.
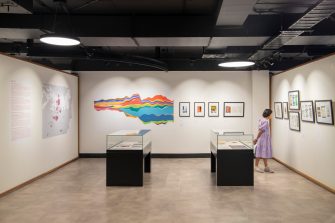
267,168
256,164
265,162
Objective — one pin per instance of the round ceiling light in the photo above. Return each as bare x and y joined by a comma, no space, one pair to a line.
237,64
59,40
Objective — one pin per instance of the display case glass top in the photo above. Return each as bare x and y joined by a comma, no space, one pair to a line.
128,139
231,140
140,132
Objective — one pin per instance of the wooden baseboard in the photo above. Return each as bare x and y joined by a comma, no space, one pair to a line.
36,178
332,190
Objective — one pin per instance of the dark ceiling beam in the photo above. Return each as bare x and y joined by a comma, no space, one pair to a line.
26,4
286,64
153,26
42,50
173,65
116,26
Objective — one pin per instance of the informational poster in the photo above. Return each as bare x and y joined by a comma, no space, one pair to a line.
57,110
21,110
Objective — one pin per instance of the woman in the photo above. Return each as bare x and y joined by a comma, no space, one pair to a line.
263,148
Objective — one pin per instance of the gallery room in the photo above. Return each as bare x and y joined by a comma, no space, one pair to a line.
167,111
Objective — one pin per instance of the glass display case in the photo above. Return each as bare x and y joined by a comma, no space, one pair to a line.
128,140
232,158
231,140
128,157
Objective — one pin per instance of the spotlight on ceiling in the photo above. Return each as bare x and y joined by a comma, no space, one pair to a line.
60,40
237,64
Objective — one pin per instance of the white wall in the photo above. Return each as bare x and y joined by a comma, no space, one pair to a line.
184,135
260,95
312,150
27,158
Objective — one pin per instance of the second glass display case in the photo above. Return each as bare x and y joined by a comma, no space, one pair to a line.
232,158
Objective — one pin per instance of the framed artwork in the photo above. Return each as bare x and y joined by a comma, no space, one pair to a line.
213,109
294,119
324,112
199,109
285,110
184,109
293,100
278,110
307,111
233,109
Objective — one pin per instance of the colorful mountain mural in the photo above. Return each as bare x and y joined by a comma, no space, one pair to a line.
158,109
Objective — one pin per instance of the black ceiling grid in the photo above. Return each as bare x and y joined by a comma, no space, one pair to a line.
172,35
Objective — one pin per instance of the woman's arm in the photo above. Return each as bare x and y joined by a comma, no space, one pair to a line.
260,132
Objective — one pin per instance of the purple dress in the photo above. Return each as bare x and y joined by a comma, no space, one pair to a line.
264,147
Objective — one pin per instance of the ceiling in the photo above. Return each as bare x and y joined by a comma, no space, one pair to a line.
170,34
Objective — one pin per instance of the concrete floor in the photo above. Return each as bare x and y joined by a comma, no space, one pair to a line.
177,191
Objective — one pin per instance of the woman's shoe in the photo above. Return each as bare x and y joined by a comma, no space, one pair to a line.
268,170
259,170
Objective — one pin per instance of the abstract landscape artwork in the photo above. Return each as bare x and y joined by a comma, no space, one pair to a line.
158,109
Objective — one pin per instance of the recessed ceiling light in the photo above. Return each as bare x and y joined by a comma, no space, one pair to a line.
59,40
237,64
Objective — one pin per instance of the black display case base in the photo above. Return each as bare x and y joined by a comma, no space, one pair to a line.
127,167
233,167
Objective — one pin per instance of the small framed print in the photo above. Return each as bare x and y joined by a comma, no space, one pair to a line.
233,109
278,110
199,109
307,111
324,112
293,100
294,119
285,110
184,109
213,109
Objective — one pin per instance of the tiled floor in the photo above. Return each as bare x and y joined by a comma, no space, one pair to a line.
177,190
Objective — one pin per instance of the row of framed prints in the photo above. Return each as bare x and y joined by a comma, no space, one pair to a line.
323,114
230,109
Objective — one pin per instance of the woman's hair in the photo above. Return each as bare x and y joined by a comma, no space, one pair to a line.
267,112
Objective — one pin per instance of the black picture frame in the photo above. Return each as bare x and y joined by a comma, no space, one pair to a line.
331,112
287,117
313,111
233,116
189,109
195,107
294,112
209,109
281,110
289,104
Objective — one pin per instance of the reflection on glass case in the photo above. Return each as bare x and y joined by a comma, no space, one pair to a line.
128,140
231,140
